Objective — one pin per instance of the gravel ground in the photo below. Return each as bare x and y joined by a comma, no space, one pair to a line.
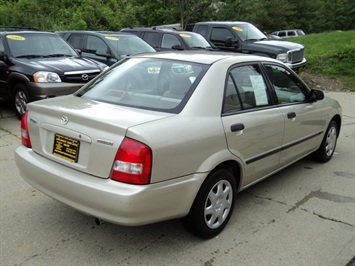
323,82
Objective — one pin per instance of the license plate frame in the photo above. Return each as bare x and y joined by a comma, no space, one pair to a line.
66,148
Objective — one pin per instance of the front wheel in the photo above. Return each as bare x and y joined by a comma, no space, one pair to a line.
327,148
20,99
213,205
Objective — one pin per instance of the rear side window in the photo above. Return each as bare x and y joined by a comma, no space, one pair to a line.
202,30
152,38
245,89
1,45
76,40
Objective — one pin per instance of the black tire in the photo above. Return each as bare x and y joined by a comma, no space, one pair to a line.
20,98
327,148
213,205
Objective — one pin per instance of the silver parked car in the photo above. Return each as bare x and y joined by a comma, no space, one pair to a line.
174,135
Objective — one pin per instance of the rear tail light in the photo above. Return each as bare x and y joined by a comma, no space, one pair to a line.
133,163
25,136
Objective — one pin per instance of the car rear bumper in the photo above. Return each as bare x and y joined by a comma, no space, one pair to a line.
41,91
106,199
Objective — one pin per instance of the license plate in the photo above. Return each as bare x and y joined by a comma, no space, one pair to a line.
66,148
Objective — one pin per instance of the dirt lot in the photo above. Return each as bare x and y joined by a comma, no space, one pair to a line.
323,82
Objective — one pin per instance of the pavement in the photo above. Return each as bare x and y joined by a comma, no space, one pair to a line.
303,215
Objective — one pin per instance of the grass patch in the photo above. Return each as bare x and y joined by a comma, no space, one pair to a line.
331,54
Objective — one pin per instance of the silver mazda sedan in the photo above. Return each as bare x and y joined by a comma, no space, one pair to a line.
174,135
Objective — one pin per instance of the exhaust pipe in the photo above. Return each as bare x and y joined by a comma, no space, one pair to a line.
98,221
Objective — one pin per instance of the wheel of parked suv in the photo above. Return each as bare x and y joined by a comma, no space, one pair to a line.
213,205
327,148
20,99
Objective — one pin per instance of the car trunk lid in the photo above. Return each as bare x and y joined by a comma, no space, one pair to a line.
80,133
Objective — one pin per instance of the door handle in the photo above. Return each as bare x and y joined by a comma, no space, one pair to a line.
237,127
291,115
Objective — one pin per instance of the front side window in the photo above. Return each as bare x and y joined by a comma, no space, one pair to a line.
245,89
146,83
169,41
286,85
94,44
219,35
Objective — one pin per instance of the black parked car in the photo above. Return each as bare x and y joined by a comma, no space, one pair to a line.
164,39
106,47
35,65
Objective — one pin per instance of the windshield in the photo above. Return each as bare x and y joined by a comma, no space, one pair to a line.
147,83
38,45
247,31
195,40
128,45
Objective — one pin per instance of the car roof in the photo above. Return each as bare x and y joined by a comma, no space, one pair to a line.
223,22
158,29
205,57
16,31
101,33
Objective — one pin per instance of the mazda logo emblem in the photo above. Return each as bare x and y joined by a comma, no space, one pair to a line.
85,77
64,120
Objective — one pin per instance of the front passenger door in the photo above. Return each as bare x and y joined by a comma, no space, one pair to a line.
302,118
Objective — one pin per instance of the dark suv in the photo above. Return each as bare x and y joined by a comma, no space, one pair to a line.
163,39
106,47
35,65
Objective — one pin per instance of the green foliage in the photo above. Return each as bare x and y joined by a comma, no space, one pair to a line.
268,15
328,53
331,53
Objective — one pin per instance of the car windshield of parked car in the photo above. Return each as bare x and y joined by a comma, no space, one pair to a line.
195,40
248,32
128,45
32,45
147,83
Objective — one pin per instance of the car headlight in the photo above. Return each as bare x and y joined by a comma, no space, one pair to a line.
44,76
282,57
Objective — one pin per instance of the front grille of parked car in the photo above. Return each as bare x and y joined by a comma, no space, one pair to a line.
295,56
81,76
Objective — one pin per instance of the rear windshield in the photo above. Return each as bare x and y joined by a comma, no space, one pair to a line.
147,83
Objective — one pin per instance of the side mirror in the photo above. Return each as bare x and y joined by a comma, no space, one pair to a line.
316,95
229,42
78,51
177,47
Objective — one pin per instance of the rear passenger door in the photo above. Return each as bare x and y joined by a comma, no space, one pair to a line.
303,120
254,127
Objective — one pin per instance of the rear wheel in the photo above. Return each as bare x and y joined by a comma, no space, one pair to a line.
327,148
20,99
213,205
